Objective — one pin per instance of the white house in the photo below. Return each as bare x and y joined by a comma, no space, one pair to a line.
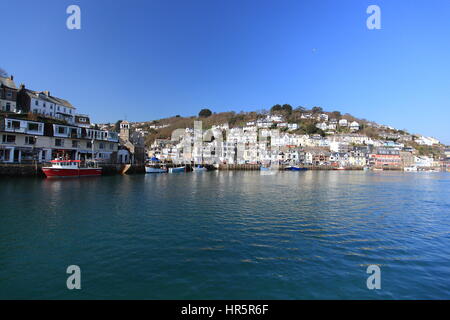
423,161
343,123
322,117
354,126
428,141
322,126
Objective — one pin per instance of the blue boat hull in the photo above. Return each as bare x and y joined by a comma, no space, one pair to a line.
295,169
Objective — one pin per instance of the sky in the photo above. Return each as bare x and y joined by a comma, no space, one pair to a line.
149,59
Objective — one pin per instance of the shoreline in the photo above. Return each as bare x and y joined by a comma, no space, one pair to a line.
16,170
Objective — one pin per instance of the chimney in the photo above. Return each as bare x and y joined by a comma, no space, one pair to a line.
22,86
12,77
47,93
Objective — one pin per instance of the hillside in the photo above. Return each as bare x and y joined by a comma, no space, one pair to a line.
306,119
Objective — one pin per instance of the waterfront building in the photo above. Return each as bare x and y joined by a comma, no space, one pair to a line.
385,158
423,161
358,156
26,140
133,143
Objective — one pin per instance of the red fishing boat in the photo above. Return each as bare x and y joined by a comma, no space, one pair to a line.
72,168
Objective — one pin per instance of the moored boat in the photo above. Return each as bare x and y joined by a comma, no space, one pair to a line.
177,169
71,168
295,168
155,166
155,169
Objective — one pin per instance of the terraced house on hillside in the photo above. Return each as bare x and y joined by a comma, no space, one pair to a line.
44,103
8,94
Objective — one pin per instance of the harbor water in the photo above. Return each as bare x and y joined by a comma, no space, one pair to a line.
227,235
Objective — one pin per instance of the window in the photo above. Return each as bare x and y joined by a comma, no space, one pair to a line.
13,124
58,108
59,142
88,144
61,130
36,102
74,144
30,140
9,94
111,146
7,138
44,104
33,126
101,145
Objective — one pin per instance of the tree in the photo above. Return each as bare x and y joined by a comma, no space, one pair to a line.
287,108
317,109
117,126
336,114
276,108
205,113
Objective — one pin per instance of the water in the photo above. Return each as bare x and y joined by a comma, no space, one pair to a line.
227,235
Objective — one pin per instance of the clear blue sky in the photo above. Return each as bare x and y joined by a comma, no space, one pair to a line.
155,58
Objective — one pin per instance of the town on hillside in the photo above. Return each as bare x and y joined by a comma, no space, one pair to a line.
37,126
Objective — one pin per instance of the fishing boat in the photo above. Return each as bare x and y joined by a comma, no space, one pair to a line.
154,166
410,169
263,168
177,169
295,168
71,168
